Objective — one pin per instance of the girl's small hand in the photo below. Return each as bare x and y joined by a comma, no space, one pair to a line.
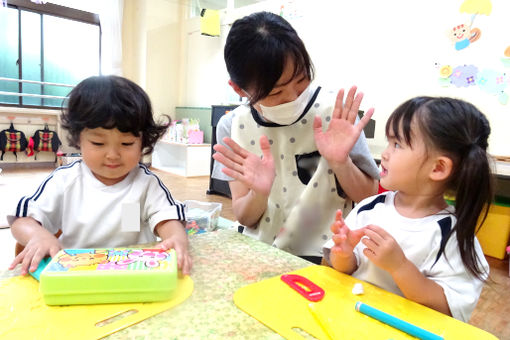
341,135
257,173
39,246
382,249
180,245
345,240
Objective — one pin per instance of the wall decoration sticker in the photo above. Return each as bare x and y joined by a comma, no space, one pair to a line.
463,35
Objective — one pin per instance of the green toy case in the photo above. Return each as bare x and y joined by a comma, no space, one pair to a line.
110,275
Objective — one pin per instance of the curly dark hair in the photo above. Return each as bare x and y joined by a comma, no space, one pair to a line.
111,102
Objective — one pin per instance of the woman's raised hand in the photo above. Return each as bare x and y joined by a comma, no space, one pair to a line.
257,173
337,141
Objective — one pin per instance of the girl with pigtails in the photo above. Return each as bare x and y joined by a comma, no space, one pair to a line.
408,240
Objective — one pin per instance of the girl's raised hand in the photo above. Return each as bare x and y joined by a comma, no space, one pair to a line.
342,256
338,140
345,239
382,249
257,173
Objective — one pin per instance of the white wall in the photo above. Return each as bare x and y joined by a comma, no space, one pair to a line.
389,49
152,34
205,79
134,41
164,32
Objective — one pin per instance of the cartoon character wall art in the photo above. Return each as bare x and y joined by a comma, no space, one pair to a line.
463,35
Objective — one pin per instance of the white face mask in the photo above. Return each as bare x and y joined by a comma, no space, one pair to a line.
288,113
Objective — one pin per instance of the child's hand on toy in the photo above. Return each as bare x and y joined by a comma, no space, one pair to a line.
382,249
39,246
181,248
174,236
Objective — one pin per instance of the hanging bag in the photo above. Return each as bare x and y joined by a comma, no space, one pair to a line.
46,140
12,140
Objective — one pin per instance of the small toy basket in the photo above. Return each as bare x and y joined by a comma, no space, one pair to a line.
203,215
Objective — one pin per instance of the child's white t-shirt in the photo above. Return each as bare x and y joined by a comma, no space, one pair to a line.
423,241
89,213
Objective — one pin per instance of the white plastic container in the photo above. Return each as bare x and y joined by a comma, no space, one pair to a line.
205,214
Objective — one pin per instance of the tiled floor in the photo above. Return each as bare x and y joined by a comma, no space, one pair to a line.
491,314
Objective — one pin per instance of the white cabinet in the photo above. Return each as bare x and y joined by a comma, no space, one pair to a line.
182,159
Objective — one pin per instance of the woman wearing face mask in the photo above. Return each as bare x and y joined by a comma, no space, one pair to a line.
287,174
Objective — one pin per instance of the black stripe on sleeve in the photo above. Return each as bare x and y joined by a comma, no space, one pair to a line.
18,207
41,187
165,189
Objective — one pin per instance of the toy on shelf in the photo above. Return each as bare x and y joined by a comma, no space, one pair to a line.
111,275
186,131
195,137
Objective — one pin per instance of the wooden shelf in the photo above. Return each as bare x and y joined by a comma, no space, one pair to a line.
186,160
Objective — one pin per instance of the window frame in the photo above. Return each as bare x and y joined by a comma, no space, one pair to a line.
57,11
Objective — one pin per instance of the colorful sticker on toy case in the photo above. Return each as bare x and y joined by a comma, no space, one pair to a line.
81,260
111,259
142,258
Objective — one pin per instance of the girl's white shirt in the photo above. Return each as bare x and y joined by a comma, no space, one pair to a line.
420,239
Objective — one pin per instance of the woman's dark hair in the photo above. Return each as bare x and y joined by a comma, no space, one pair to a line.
461,131
111,102
257,49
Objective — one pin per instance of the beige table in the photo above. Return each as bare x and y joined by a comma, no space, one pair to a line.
223,261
